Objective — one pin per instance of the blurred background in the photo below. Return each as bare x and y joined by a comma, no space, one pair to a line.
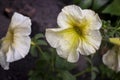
43,14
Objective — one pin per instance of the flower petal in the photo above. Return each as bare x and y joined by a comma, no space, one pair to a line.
115,41
118,68
111,58
62,53
93,19
65,41
3,63
78,33
85,48
63,20
20,24
94,37
73,10
69,14
68,50
52,37
19,48
73,56
91,44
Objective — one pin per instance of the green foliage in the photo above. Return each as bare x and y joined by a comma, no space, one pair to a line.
49,65
91,68
33,51
109,29
51,69
65,75
100,6
63,64
106,73
38,36
37,40
93,4
97,4
83,3
112,30
113,8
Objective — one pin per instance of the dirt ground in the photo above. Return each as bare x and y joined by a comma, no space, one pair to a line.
43,14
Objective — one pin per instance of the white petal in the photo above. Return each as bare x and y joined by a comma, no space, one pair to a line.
94,37
68,46
68,50
111,58
20,24
118,60
95,22
85,48
91,43
69,14
65,42
61,53
52,37
73,56
3,63
63,20
70,54
19,49
73,10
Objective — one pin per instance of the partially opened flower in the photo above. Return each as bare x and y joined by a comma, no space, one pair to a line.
78,33
16,44
112,57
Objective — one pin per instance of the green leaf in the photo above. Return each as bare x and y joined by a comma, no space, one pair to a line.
98,4
40,35
93,76
33,51
85,3
113,8
63,64
76,1
95,69
67,75
34,75
46,56
88,59
41,42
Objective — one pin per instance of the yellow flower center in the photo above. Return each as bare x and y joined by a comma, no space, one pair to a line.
78,30
8,40
81,28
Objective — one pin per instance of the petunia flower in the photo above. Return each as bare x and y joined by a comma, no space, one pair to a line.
112,57
78,32
16,44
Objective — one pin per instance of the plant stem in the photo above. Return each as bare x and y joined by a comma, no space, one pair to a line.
52,61
83,72
39,49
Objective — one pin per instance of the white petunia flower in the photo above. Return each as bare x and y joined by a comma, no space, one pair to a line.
112,57
78,33
16,44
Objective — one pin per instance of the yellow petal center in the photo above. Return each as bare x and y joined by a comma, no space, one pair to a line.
115,41
81,28
10,36
8,40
